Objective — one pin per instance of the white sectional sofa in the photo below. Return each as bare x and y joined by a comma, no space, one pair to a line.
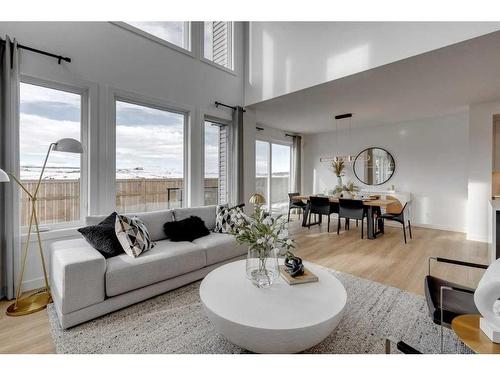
85,285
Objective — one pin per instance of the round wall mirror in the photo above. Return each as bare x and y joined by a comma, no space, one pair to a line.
374,166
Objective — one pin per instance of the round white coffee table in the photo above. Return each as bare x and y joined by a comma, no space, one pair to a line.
280,319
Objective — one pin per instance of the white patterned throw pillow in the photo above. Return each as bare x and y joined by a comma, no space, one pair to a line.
224,220
133,235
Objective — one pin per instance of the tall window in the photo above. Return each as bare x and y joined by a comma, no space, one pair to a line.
149,158
262,168
272,177
218,43
47,115
177,33
280,177
215,189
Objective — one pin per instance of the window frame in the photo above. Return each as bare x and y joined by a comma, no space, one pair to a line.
201,36
187,51
221,123
84,92
272,141
136,99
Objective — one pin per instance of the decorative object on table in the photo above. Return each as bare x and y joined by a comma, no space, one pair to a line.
486,298
374,166
338,168
41,298
347,191
294,272
134,236
293,264
265,236
306,277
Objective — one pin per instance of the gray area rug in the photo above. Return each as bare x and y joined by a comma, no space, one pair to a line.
175,323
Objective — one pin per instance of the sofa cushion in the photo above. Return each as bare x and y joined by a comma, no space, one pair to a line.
186,230
102,237
166,260
153,220
133,235
206,213
219,247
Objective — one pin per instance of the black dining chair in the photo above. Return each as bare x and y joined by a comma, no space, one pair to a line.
321,206
352,209
399,216
295,204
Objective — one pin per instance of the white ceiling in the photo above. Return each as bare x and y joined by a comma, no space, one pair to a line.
443,81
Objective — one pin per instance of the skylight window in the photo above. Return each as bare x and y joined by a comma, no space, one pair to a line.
176,33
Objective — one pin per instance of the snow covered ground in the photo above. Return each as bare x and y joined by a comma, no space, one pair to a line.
68,173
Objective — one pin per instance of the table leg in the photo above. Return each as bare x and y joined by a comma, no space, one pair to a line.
370,226
305,215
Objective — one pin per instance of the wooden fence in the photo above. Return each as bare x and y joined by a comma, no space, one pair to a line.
59,200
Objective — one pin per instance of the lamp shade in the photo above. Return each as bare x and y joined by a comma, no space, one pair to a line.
4,177
68,145
257,199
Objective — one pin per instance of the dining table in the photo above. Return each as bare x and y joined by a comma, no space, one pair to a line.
372,205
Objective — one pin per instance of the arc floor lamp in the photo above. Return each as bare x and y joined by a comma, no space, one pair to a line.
41,298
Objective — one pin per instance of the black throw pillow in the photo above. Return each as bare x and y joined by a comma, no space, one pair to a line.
103,238
186,230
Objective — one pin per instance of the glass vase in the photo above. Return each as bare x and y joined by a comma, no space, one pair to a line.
262,267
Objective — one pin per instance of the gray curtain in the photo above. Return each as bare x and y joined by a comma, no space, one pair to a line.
237,177
296,164
9,156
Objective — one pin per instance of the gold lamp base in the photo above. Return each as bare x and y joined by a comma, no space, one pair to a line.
31,304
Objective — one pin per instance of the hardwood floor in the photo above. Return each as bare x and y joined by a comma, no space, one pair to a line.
386,260
25,334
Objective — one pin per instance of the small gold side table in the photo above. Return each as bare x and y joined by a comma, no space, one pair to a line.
466,327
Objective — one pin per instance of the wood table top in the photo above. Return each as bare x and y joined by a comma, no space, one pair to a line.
467,329
366,202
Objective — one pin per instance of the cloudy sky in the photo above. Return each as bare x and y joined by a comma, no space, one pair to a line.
172,32
280,158
149,142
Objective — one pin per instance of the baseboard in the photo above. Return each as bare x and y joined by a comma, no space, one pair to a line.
33,284
438,227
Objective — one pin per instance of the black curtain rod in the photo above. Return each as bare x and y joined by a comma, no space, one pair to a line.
227,106
291,135
58,57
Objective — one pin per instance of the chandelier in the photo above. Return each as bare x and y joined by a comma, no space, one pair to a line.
344,158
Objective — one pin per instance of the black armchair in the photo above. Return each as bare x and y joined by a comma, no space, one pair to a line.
295,204
447,300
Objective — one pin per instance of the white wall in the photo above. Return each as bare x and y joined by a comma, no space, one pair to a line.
431,164
106,58
290,56
480,167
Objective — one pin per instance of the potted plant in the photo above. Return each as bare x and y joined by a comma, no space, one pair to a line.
347,191
265,237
